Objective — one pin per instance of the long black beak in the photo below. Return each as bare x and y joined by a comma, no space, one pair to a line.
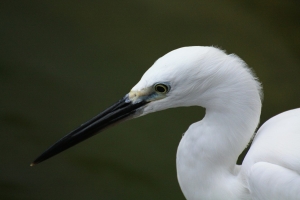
119,111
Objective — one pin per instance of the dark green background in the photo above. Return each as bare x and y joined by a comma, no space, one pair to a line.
61,63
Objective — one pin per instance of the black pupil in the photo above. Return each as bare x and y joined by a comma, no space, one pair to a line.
160,88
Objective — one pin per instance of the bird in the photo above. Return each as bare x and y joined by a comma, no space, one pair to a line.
206,157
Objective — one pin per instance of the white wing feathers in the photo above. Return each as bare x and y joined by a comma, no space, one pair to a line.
270,181
272,164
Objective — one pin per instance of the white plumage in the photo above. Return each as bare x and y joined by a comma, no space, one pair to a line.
207,153
209,149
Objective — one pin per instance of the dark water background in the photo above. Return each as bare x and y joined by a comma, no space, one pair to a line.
63,62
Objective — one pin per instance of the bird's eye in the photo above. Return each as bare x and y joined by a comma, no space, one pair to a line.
161,88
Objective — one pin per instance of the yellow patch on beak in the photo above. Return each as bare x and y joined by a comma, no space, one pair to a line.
135,95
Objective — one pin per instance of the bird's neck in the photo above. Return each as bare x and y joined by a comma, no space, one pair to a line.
209,149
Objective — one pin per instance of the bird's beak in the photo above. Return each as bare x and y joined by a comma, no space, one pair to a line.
120,111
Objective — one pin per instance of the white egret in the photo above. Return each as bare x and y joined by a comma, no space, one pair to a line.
207,153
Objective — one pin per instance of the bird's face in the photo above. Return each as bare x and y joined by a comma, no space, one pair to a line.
151,94
179,78
175,79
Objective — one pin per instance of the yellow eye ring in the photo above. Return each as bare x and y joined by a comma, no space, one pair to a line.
161,88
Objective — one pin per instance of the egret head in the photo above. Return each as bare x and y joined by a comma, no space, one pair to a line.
202,76
192,76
